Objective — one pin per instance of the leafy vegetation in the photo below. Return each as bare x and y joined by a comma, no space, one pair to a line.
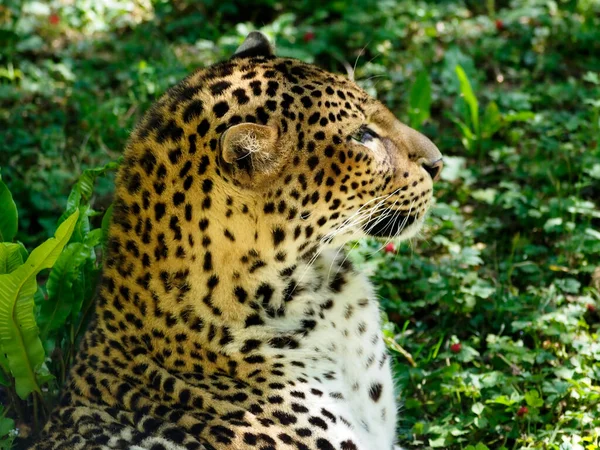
493,315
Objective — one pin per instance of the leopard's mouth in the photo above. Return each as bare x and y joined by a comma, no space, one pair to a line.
392,224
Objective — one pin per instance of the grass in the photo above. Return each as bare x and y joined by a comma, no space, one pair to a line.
492,316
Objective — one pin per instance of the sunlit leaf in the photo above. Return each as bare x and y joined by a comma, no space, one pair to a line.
491,121
469,97
19,334
420,100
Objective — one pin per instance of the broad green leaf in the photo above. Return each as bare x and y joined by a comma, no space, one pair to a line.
491,121
6,425
61,294
420,100
19,336
9,217
469,97
85,284
11,257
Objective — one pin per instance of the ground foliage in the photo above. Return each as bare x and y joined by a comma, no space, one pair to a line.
492,314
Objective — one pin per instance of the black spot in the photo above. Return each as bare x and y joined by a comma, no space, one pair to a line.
241,96
306,101
207,265
148,162
207,185
324,444
266,292
159,211
348,445
178,198
174,155
169,131
192,142
375,391
272,87
134,183
240,294
193,110
314,118
220,109
203,128
285,418
269,208
262,115
204,163
219,87
278,236
253,320
313,161
185,169
318,422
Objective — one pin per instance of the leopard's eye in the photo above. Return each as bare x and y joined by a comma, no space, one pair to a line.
363,134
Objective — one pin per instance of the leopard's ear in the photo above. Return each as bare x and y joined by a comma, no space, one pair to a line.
255,44
250,153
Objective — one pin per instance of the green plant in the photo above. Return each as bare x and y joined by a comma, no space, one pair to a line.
419,101
41,322
476,130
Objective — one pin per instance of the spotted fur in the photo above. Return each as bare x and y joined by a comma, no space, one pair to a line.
228,315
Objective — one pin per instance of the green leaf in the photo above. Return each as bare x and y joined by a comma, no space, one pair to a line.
477,408
521,116
469,97
81,193
420,100
533,399
85,284
491,121
9,217
438,442
19,336
11,257
6,426
61,293
479,446
502,400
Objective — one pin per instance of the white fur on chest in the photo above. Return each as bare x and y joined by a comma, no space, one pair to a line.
345,358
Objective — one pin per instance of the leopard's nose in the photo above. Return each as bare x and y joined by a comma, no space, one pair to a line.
422,151
433,168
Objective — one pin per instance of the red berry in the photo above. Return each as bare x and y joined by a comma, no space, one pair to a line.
390,248
591,307
522,411
53,19
308,36
456,348
499,25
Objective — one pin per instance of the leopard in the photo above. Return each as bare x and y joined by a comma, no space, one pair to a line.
228,315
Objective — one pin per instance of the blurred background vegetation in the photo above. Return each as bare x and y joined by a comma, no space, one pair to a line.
492,316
